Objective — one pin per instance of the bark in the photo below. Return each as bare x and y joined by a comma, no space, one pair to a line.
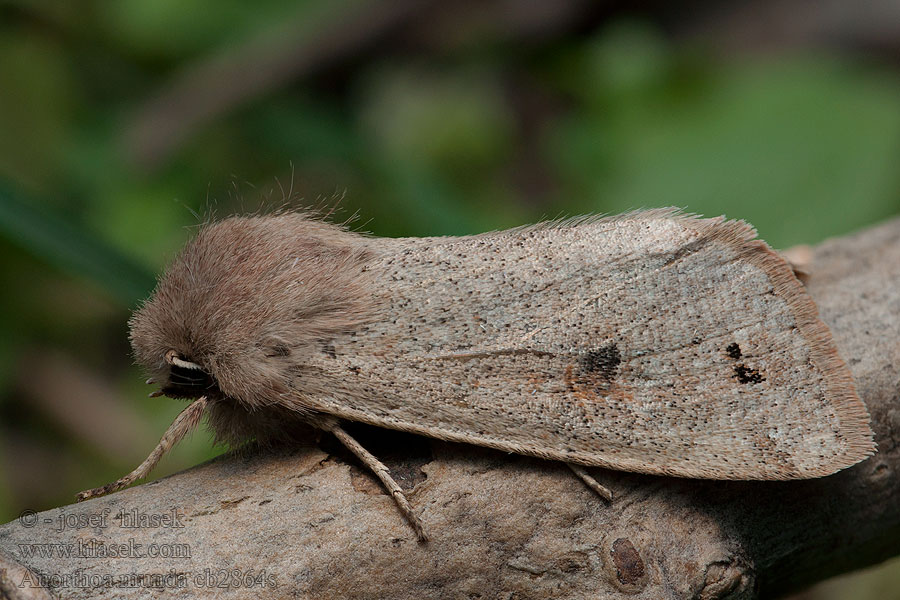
311,523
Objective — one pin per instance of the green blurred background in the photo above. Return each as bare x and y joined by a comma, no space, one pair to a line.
124,123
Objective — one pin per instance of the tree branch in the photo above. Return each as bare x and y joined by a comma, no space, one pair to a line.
311,522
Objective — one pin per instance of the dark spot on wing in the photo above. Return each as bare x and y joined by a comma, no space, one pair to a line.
733,350
745,374
329,350
603,361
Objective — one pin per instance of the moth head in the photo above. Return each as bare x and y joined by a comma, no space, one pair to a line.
238,312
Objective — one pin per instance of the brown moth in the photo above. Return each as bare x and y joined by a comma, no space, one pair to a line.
650,342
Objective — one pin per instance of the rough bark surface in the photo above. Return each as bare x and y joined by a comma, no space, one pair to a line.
311,523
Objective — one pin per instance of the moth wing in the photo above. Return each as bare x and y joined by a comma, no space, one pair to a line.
650,342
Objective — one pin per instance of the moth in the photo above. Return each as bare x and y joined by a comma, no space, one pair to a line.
651,342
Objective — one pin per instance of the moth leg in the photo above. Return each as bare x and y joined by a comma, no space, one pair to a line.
384,475
183,424
590,481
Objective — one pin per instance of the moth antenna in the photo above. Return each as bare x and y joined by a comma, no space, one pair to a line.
589,481
183,424
173,359
384,475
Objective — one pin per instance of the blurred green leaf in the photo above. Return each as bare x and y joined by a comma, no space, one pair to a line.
37,93
802,148
453,122
628,62
74,250
168,29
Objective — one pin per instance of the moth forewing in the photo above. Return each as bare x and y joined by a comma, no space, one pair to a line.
650,342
